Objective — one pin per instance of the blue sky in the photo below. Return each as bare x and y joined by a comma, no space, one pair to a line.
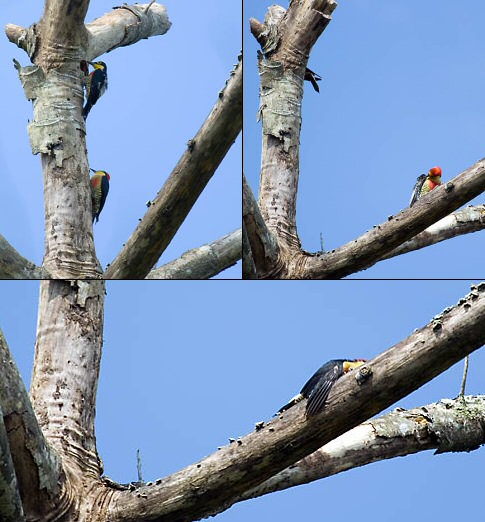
401,92
160,92
180,375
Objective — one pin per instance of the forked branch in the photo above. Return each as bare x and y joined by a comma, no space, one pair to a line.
236,468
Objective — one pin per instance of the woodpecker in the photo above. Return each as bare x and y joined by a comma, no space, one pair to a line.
96,84
312,77
99,191
318,387
426,183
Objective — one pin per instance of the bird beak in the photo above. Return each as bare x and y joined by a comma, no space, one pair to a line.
91,63
92,169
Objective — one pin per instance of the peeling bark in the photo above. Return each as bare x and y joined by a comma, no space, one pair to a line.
56,45
286,40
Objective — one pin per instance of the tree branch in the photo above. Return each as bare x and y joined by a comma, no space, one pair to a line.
199,489
66,369
369,248
10,503
249,268
203,262
397,434
38,470
184,185
125,25
14,266
465,221
264,246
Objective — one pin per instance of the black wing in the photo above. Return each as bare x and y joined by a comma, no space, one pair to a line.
320,384
317,399
104,192
97,87
417,189
312,77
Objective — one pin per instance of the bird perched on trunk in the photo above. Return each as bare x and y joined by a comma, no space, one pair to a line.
95,83
313,78
99,191
426,183
318,387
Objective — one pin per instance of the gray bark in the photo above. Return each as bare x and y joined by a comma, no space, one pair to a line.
14,266
466,221
449,425
56,46
249,269
369,248
69,351
11,509
38,474
282,70
203,262
265,251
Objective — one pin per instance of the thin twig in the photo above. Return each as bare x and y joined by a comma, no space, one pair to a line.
148,6
465,374
138,465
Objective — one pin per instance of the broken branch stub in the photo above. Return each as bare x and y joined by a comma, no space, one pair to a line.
125,25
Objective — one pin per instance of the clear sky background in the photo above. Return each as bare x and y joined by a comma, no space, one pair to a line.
181,374
160,92
402,91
